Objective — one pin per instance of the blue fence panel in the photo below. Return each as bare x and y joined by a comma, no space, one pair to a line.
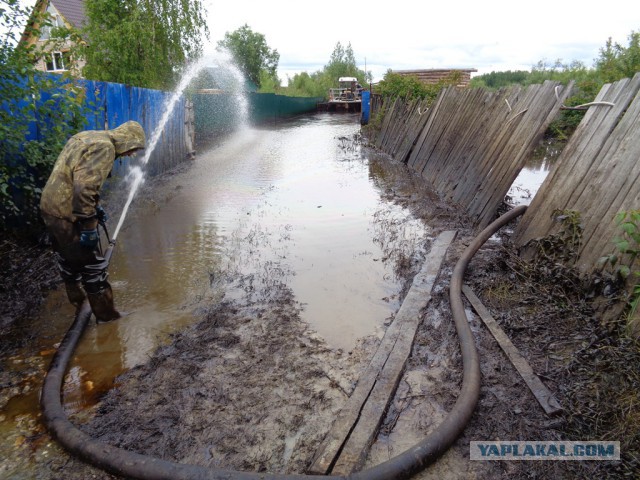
364,118
96,102
108,105
12,107
118,104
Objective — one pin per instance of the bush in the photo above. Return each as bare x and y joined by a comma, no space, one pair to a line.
38,113
410,87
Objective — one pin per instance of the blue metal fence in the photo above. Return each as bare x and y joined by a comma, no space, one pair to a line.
108,105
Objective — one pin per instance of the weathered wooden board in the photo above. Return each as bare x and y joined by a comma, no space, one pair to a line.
418,118
544,396
566,180
472,143
613,187
542,107
597,174
346,445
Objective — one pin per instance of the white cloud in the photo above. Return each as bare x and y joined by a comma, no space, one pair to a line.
487,35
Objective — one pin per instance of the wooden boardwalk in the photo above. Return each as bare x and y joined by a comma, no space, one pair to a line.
471,143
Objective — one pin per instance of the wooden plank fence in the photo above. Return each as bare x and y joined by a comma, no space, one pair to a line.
471,143
597,174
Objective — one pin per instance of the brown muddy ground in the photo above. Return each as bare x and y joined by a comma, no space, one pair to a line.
250,387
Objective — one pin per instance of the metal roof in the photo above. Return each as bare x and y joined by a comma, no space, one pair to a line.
72,11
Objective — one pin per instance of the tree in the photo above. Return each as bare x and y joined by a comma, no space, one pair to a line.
616,61
304,85
143,43
342,63
495,80
250,51
38,113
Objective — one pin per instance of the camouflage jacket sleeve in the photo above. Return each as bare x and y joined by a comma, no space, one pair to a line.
89,174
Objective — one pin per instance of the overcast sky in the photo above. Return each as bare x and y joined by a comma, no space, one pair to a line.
486,35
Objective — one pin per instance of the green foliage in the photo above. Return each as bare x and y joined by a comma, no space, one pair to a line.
495,80
616,61
342,63
142,43
269,83
253,56
409,86
627,250
627,245
305,85
29,100
558,71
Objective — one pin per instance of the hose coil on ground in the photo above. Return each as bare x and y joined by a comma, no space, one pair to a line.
133,465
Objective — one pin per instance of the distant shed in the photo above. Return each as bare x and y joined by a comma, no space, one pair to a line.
432,76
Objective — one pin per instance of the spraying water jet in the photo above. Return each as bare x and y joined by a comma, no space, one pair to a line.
224,61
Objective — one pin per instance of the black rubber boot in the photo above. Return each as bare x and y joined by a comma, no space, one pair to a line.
102,306
75,293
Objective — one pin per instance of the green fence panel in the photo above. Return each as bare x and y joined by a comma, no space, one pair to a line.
216,113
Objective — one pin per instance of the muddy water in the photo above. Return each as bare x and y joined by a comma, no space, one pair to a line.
298,202
298,199
534,172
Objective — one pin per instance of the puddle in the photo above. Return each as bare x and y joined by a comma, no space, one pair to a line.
534,172
299,202
297,198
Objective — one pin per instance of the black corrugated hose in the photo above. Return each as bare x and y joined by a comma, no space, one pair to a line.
142,467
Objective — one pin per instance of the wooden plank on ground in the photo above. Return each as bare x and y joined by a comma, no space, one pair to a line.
539,390
346,445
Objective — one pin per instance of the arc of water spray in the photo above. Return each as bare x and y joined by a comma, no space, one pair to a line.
136,175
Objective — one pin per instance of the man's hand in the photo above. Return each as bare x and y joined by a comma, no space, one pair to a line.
101,215
89,238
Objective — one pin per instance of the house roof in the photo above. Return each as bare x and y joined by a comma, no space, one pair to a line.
432,76
72,11
434,70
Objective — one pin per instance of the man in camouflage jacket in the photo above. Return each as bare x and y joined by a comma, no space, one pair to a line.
71,211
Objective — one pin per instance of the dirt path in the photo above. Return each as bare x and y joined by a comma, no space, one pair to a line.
251,387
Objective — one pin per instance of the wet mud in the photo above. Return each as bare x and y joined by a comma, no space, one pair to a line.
251,386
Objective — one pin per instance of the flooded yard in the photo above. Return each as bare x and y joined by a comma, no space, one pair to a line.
258,282
299,205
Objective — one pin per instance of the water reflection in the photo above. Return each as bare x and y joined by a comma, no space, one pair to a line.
534,172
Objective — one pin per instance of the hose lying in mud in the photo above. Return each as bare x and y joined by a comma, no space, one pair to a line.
133,465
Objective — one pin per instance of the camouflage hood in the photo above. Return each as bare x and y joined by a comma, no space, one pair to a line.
73,189
128,136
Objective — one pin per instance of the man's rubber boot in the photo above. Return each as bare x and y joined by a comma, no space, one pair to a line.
102,306
75,293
